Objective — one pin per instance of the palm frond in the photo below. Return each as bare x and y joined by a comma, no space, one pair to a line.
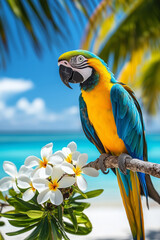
130,69
94,22
104,28
40,19
136,30
101,21
149,82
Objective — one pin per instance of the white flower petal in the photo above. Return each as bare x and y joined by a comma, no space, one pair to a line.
28,195
15,187
81,182
75,156
10,168
45,172
60,153
56,197
40,184
23,182
57,173
41,173
90,171
6,183
35,173
82,159
43,196
72,146
66,151
32,161
25,171
67,167
46,151
66,182
55,159
48,170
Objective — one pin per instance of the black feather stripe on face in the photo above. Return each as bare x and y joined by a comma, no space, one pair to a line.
91,82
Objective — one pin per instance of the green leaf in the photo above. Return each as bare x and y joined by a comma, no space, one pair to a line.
82,218
26,229
60,214
76,189
34,213
81,230
60,227
14,216
90,194
22,206
84,225
73,219
2,197
80,206
12,192
22,223
36,231
1,237
2,223
44,232
55,231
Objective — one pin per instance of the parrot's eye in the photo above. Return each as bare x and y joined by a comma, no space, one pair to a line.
80,59
76,61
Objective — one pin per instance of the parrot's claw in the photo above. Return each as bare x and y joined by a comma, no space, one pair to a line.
101,161
122,162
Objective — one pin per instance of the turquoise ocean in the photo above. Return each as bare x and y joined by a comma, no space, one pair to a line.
16,147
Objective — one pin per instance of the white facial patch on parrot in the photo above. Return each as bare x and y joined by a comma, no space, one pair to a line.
85,72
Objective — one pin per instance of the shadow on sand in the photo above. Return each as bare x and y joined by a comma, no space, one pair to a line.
150,235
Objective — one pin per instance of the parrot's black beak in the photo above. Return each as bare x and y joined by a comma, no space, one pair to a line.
68,75
65,74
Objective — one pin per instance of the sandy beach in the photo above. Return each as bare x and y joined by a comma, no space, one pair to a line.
109,223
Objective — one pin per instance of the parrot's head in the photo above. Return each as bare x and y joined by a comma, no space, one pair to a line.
80,66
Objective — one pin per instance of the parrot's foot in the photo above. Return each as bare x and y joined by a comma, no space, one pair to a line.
101,161
122,162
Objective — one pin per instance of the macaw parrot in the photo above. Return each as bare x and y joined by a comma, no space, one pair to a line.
112,120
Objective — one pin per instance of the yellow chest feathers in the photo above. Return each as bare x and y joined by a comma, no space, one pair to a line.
100,114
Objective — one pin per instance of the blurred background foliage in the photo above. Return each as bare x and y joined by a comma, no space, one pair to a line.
125,33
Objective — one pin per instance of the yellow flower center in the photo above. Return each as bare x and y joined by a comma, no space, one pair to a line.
69,158
43,163
33,189
77,171
53,185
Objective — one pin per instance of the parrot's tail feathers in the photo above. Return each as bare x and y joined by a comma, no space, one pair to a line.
130,191
151,190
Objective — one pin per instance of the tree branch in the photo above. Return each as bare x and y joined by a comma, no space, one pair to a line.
135,165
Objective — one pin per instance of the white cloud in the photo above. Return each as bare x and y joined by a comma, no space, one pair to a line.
32,115
35,115
11,86
72,110
35,107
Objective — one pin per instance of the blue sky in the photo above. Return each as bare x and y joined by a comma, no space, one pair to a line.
32,96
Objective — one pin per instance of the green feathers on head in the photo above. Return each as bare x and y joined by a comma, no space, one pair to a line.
68,55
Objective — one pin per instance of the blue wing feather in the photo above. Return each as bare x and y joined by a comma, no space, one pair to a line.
129,124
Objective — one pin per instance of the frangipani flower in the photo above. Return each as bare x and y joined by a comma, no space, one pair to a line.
69,153
44,168
50,189
8,182
78,169
26,182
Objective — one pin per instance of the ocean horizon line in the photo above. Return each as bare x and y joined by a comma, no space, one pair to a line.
64,131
